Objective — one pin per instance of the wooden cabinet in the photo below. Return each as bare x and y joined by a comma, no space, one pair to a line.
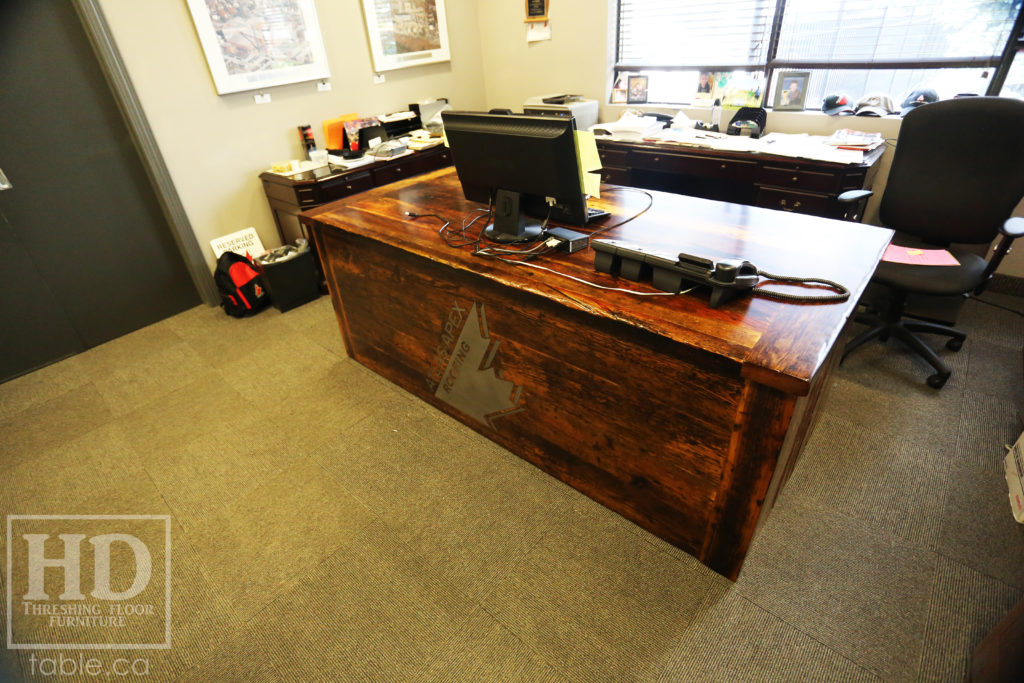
288,196
780,183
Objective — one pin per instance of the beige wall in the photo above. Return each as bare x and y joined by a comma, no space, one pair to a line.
216,146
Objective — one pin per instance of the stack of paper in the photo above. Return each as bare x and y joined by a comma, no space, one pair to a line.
629,127
855,139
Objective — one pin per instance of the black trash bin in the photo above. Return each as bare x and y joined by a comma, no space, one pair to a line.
291,280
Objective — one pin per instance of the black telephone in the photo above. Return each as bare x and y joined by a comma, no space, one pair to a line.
727,277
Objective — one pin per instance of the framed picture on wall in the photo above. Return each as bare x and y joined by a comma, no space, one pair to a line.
637,92
406,33
250,46
536,10
790,90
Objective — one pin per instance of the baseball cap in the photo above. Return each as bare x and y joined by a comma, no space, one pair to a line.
916,98
837,105
875,104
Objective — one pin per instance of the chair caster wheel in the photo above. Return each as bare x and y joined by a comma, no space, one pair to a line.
955,344
938,380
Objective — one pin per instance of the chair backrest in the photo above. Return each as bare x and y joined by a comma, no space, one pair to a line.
958,170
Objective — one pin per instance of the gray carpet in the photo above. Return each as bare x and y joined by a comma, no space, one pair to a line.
329,527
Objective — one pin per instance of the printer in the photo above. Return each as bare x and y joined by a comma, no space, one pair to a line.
583,110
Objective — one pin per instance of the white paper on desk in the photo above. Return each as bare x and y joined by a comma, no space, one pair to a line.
803,146
706,140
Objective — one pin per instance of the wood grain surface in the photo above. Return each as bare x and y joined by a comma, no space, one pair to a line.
669,412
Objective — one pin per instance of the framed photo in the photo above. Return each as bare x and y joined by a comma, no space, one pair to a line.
790,90
250,46
406,33
536,10
637,92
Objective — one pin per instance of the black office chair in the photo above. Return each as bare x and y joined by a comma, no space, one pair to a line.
956,176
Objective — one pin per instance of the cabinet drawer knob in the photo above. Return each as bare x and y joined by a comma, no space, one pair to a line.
657,158
796,204
348,187
782,202
398,169
796,178
723,166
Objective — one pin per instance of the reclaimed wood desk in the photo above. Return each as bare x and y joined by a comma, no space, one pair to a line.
685,419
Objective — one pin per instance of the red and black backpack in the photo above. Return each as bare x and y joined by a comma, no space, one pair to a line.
241,289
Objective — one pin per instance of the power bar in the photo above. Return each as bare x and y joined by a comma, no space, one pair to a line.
569,240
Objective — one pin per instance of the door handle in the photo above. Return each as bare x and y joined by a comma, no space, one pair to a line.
5,184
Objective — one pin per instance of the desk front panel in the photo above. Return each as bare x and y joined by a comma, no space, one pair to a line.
641,425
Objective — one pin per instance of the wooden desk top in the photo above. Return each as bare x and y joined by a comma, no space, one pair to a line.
778,344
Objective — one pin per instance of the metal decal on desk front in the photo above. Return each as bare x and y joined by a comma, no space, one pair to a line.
464,375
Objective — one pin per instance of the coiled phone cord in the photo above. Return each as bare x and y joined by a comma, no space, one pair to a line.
841,293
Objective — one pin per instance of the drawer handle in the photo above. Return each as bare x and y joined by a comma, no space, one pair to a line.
796,204
723,165
348,187
657,158
782,202
398,169
796,178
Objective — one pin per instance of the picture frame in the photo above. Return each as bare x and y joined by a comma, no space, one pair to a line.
536,10
401,39
790,90
278,44
636,92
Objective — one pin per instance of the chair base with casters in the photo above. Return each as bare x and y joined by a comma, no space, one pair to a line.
892,324
888,319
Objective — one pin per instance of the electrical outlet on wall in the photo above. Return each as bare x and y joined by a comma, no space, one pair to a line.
378,79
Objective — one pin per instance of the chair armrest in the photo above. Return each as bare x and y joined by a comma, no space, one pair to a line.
1013,227
854,195
1011,230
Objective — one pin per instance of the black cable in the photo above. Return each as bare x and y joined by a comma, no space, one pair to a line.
650,203
842,293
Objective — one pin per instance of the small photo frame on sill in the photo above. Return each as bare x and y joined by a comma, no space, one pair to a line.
790,90
637,92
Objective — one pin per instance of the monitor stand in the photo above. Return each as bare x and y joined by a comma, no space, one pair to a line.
511,223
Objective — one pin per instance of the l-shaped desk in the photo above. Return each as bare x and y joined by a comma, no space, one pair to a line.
685,419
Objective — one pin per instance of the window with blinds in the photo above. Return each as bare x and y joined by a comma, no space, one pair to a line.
670,33
852,46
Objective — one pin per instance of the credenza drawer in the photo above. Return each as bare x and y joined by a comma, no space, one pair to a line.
732,169
398,170
799,202
615,176
343,187
796,177
306,196
612,158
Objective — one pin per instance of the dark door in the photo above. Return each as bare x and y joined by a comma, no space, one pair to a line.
87,253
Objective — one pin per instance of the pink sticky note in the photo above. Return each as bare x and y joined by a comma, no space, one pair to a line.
919,257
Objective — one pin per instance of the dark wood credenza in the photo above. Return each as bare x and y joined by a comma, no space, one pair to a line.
765,180
290,195
685,419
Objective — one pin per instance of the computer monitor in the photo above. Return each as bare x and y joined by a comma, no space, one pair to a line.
526,166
